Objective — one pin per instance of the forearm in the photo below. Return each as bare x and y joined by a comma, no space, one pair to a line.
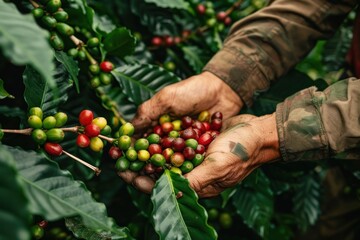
264,46
314,125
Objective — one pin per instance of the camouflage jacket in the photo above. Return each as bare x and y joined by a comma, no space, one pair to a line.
264,46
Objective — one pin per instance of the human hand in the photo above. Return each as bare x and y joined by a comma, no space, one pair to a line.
189,97
245,143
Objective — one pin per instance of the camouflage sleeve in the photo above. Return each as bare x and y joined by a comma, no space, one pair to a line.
314,125
265,45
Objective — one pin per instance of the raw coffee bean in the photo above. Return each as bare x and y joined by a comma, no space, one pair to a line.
55,135
158,160
36,111
207,126
141,144
153,138
205,139
73,52
204,116
106,66
186,122
154,148
61,119
176,170
122,164
115,152
56,41
95,82
96,144
53,5
94,69
93,42
216,115
188,133
167,127
105,78
166,142
86,117
177,124
38,12
81,54
158,130
54,149
143,155
101,122
49,122
178,144
191,142
131,154
198,125
177,159
39,136
106,130
82,141
92,130
136,166
48,22
186,167
198,159
188,153
124,142
61,16
167,152
164,118
216,124
34,121
174,134
200,149
64,29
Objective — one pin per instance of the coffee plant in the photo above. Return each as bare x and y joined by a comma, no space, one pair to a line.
72,74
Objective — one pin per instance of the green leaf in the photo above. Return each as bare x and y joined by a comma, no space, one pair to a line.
24,42
70,65
182,217
141,200
159,21
80,231
307,201
178,4
3,92
254,202
13,112
38,92
195,56
54,194
14,213
119,42
141,81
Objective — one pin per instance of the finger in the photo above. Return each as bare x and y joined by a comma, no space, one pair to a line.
144,184
128,176
209,191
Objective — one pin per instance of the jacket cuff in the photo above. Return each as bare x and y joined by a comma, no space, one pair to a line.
300,127
239,72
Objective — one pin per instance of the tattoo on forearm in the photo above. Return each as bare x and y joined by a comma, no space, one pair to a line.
239,150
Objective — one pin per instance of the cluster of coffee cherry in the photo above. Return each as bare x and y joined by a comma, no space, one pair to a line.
177,144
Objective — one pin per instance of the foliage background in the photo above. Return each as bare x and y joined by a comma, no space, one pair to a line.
275,202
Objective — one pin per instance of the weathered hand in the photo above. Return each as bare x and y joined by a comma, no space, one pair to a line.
189,97
246,142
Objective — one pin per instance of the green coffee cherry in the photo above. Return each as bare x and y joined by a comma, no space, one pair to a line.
136,166
93,42
49,122
53,5
131,154
198,159
94,68
96,144
61,119
38,12
61,16
127,129
105,78
34,122
1,134
73,52
106,130
56,41
122,164
186,167
141,144
153,138
124,142
64,29
81,55
176,170
55,135
158,160
36,111
39,136
95,82
49,22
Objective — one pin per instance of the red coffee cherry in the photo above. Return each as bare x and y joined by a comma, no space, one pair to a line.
167,127
200,149
189,153
54,149
205,139
188,133
216,124
154,148
200,8
106,66
178,144
92,130
221,16
115,152
166,142
156,41
86,117
82,141
186,122
216,115
177,159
